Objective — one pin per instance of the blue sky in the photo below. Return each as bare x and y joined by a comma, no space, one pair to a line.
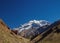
16,12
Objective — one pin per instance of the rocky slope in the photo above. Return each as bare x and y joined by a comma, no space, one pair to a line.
7,36
52,35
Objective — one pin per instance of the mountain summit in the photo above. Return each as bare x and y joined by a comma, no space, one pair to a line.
32,28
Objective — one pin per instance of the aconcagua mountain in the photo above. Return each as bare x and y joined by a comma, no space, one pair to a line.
32,28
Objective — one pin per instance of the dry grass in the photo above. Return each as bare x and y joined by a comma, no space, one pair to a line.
7,37
53,38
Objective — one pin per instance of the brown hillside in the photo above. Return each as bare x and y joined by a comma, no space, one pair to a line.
52,35
6,36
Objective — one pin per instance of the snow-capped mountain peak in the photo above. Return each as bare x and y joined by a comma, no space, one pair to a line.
37,22
33,23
